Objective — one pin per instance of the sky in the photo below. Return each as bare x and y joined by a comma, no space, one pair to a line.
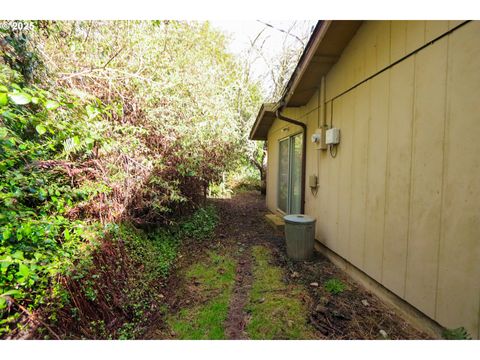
241,33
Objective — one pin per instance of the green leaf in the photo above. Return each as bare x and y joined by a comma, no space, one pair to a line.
20,98
6,234
18,255
3,303
3,132
3,99
24,270
51,105
3,89
12,293
40,129
35,100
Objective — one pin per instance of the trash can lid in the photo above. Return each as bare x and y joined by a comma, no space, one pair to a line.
298,219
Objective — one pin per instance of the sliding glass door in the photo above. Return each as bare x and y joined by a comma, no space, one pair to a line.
290,174
283,176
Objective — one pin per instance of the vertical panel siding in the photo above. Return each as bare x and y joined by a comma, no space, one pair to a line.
344,155
435,28
398,176
382,32
376,175
312,166
425,202
401,200
398,40
415,35
369,41
454,23
358,174
459,270
376,45
323,228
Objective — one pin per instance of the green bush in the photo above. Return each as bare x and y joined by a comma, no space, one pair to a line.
135,140
201,225
38,240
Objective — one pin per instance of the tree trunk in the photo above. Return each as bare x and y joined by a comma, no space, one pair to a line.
263,181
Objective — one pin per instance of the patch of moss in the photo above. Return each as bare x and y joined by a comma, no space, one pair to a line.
215,277
276,309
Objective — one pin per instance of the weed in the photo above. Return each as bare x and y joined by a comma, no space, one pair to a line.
334,286
456,334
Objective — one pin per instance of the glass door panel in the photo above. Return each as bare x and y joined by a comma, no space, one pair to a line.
290,174
283,175
295,193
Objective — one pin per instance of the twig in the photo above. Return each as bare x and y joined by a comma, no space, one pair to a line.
281,30
33,317
103,67
113,57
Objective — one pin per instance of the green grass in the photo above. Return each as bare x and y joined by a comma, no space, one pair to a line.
275,309
216,277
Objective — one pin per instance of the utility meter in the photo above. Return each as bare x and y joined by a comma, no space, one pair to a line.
332,136
318,138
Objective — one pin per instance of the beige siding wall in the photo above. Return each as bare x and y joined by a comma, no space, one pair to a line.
401,200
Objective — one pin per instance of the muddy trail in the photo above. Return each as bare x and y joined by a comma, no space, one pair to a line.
241,285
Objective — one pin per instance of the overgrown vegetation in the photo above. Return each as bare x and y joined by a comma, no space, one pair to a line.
110,132
125,281
40,237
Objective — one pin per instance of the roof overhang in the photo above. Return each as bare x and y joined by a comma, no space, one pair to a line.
265,118
326,44
323,50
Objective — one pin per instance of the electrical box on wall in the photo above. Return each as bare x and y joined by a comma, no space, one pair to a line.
318,138
312,181
332,136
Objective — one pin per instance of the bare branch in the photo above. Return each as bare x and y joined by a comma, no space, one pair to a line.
283,31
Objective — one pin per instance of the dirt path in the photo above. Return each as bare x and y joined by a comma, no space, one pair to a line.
241,285
238,221
236,320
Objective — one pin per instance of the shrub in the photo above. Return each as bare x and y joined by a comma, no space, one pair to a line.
202,223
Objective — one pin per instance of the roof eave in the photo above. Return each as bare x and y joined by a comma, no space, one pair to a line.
297,91
260,127
308,53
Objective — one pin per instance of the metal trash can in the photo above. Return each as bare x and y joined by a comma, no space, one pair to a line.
299,236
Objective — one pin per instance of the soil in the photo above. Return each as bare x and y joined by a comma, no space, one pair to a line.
354,313
236,321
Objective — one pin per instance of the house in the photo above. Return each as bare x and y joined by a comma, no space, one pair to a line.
397,199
